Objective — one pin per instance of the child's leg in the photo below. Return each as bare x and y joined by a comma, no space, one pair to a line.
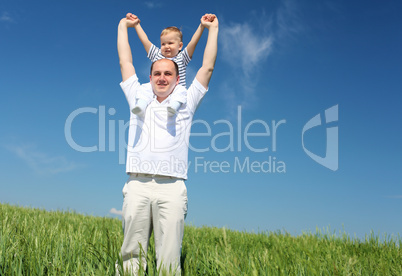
178,97
140,106
173,107
144,97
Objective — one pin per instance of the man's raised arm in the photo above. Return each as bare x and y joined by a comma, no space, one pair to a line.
124,50
204,74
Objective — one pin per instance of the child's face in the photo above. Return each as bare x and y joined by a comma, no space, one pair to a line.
170,44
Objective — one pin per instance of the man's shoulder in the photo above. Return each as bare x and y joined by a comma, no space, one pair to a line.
195,94
196,88
130,80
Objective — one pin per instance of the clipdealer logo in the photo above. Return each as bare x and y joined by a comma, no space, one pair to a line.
330,160
239,137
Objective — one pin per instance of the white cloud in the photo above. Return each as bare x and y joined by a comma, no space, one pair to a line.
41,162
248,44
395,196
114,211
152,5
5,17
244,47
288,20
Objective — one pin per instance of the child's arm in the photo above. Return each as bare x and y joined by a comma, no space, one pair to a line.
140,32
194,40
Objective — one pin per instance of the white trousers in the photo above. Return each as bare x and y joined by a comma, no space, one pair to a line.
159,204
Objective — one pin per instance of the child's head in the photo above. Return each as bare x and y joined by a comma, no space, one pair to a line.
171,42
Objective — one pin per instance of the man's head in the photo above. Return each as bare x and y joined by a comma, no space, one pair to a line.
164,78
171,42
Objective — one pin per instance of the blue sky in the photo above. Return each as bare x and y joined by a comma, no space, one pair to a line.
291,78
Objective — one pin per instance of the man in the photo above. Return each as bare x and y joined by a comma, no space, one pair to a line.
155,196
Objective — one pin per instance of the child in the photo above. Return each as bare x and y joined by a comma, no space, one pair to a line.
171,46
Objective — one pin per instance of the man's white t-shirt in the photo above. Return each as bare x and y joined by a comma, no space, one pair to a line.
158,143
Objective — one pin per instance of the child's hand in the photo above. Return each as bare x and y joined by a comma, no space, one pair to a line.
209,20
132,20
209,17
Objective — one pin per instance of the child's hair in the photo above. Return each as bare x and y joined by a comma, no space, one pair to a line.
172,29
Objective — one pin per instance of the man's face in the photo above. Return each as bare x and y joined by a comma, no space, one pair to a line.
170,44
163,78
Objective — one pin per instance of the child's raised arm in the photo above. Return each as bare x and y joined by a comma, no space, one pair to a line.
140,32
194,40
198,33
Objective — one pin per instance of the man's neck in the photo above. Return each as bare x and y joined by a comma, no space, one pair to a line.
161,99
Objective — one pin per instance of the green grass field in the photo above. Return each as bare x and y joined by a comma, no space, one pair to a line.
38,242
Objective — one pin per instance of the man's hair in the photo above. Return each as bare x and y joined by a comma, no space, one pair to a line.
176,67
172,29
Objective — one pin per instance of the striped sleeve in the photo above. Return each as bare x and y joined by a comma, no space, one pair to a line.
186,57
182,59
154,53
